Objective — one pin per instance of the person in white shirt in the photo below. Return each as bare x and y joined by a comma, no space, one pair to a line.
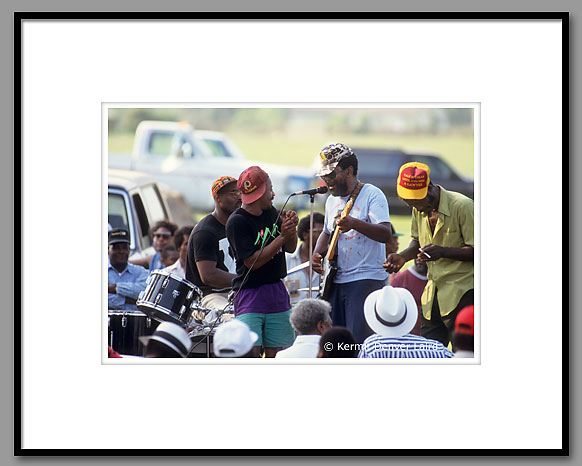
181,242
310,318
299,280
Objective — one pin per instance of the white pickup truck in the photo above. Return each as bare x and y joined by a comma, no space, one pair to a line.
135,203
188,161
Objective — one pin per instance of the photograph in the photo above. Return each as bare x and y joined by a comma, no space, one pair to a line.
291,232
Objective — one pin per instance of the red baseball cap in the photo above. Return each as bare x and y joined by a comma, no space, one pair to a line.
465,322
252,184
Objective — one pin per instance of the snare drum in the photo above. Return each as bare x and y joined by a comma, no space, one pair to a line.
168,297
124,329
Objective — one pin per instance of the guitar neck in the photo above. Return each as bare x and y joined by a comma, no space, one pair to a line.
332,243
335,236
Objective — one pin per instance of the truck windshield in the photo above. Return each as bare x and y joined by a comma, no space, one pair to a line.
222,147
117,212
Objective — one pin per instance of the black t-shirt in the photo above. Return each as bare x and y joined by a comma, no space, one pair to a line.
208,242
247,233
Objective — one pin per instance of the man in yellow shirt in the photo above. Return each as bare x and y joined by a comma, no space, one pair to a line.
443,237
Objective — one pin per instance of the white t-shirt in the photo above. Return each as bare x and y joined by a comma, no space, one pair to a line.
359,257
176,269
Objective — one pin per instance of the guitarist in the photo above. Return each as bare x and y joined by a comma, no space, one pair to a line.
363,233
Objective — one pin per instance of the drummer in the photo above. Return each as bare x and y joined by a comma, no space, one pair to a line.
210,262
125,281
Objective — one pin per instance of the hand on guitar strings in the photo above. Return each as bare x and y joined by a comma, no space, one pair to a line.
346,224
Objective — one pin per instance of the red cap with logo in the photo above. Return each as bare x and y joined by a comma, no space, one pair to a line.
252,184
413,180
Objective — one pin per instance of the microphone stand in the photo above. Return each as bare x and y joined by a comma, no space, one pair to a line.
311,200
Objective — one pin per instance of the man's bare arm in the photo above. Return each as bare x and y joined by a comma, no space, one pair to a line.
213,276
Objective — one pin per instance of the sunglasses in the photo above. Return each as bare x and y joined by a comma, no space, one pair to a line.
162,235
330,176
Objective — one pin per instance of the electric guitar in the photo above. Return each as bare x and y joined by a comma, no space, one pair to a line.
329,262
329,265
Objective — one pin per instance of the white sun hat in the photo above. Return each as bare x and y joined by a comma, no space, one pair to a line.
171,335
391,312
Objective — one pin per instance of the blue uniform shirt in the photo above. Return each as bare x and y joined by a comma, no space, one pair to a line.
129,283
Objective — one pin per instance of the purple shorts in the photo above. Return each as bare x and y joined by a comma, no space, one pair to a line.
266,299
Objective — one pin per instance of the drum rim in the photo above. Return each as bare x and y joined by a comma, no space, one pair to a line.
177,278
120,312
161,309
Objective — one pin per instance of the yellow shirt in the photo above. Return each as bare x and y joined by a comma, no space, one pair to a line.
454,228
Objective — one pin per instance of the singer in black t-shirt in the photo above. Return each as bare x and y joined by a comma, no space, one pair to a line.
260,239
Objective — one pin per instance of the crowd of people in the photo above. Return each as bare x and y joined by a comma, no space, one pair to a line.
251,260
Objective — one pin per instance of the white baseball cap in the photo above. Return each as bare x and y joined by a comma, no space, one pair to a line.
233,339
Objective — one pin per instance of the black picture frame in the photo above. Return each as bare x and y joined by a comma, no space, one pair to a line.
20,17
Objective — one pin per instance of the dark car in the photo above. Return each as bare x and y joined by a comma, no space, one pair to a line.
380,168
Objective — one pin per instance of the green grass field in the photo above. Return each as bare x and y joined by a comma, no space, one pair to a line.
301,149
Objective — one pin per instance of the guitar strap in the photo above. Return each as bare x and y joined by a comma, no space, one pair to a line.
353,196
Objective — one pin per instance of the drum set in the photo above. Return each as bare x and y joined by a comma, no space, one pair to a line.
167,298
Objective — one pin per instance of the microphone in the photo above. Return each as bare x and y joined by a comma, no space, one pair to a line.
320,190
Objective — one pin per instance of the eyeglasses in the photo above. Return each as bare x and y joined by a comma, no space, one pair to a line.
162,235
234,192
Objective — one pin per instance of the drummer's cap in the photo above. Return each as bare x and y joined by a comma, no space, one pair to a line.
171,335
221,183
234,339
118,235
